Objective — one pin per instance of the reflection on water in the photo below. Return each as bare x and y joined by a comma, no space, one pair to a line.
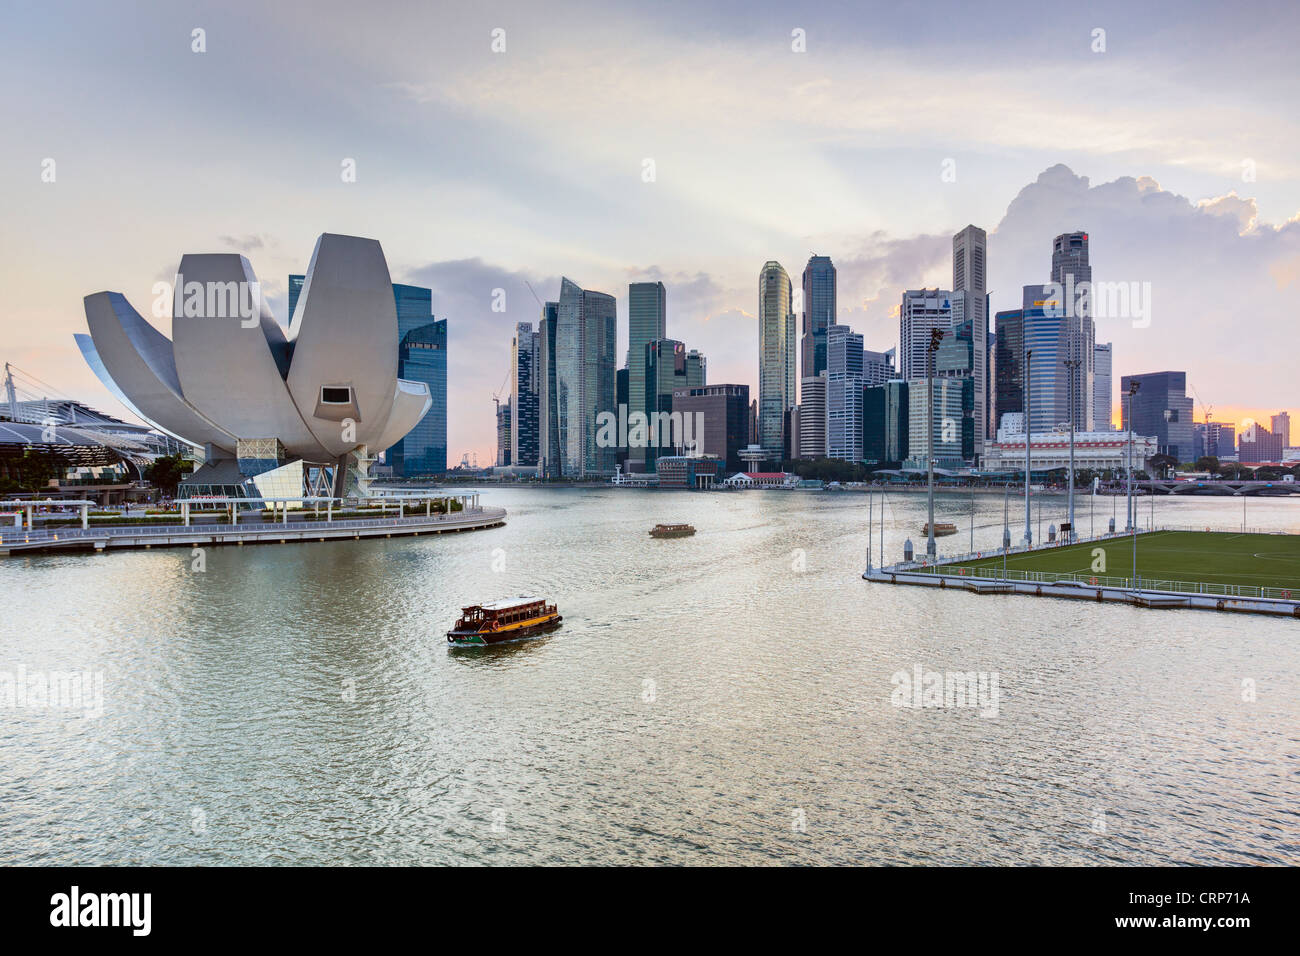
719,698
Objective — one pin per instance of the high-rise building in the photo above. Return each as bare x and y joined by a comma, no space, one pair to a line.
1071,270
844,354
726,419
697,370
812,416
647,311
548,430
1221,439
584,382
1257,444
776,358
886,420
295,290
818,313
1047,344
969,255
1281,425
421,357
922,310
956,359
503,434
1102,389
524,394
1160,408
877,367
668,369
1009,390
950,394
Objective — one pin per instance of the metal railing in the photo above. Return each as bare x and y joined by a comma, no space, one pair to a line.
995,573
267,528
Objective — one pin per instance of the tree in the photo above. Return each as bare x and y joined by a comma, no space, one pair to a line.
1162,463
1208,463
166,472
33,471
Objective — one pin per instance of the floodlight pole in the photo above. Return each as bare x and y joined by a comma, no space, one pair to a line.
936,336
871,500
1132,520
1006,526
1072,365
1029,525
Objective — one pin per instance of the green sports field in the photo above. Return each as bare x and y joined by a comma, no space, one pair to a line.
1257,560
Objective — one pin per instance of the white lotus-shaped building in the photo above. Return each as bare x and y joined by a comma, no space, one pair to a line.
324,395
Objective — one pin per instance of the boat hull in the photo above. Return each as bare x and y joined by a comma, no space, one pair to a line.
503,636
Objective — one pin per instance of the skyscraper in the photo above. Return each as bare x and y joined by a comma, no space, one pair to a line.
844,354
1070,270
503,434
647,311
946,409
548,430
726,419
956,359
877,367
524,395
1281,423
1161,408
1259,444
1220,439
969,255
584,379
922,310
1102,389
776,358
812,416
1047,343
421,357
1009,390
886,420
818,312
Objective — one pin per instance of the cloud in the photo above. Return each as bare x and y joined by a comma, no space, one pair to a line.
1217,276
248,244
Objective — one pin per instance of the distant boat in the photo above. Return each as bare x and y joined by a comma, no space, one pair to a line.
941,528
672,531
483,624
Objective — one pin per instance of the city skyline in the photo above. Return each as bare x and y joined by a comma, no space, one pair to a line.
1193,189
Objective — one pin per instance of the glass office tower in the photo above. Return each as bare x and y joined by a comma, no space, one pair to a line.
421,357
776,358
585,336
818,313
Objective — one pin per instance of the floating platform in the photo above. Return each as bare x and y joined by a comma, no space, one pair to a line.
1277,607
1176,568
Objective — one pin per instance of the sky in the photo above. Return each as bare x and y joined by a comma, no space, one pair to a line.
502,145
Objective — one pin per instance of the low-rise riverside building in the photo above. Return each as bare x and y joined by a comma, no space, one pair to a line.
1097,451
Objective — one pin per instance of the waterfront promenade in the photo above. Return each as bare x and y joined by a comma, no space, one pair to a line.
22,541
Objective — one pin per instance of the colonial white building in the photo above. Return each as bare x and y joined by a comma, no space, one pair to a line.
1097,451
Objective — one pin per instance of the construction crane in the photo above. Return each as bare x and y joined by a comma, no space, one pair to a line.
1209,409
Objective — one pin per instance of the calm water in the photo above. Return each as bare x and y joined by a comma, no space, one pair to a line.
722,698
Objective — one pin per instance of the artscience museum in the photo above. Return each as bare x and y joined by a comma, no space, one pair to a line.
278,413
